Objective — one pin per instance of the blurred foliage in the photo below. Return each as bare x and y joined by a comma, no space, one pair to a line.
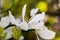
7,4
51,20
17,10
57,37
1,30
2,34
16,33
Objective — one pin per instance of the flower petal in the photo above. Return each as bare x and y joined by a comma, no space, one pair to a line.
23,11
33,25
24,26
5,21
9,33
18,20
33,12
37,26
47,34
12,19
38,17
40,26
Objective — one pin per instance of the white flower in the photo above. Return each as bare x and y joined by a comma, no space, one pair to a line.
9,33
36,22
37,25
43,32
33,12
18,20
5,21
37,18
46,34
12,19
22,24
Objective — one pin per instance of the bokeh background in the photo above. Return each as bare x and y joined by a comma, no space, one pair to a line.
50,7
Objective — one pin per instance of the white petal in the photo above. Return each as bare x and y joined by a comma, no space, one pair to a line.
5,21
21,38
38,17
18,20
24,26
40,26
9,33
33,12
37,26
12,19
35,19
23,11
47,34
33,25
